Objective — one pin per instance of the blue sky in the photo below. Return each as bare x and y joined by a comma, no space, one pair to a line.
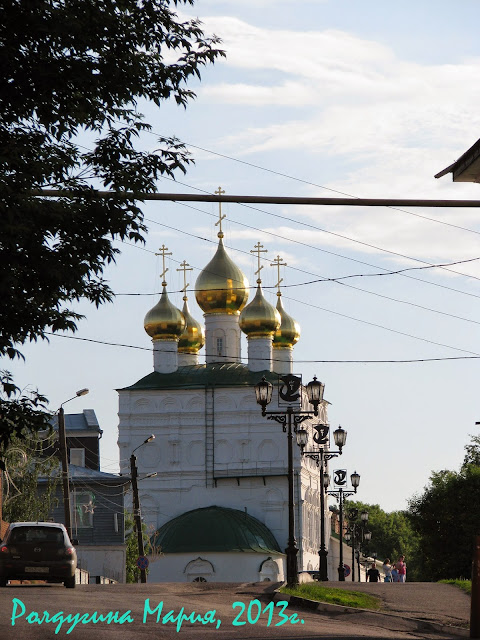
370,99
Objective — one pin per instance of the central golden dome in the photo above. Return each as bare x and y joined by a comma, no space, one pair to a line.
259,319
164,321
221,287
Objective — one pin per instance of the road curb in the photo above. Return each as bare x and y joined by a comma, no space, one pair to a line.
336,609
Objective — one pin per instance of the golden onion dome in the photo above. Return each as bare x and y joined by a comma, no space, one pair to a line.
259,319
221,287
192,338
164,321
288,333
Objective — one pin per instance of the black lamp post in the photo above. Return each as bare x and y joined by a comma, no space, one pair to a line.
321,457
356,534
290,390
341,494
136,505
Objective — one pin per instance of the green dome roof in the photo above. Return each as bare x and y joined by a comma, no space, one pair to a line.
214,529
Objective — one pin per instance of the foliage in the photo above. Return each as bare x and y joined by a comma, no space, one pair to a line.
333,596
21,414
446,518
392,536
464,585
131,541
24,498
472,455
70,68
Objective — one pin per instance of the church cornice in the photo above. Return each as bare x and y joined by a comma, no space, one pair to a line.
201,376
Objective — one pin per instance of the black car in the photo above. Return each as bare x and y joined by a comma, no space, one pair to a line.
37,551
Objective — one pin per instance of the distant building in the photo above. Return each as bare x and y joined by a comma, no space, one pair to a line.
466,168
96,500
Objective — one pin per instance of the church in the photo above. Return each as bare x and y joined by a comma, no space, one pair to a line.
217,507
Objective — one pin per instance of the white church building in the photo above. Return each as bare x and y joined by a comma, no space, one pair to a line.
218,506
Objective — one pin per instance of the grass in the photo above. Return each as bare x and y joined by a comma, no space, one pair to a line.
334,596
464,585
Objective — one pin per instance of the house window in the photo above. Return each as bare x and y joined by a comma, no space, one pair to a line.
83,503
219,346
77,457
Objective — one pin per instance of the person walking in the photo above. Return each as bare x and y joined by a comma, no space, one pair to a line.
373,574
387,570
402,569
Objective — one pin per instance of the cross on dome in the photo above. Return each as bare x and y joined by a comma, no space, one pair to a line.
184,266
220,192
277,262
163,252
258,249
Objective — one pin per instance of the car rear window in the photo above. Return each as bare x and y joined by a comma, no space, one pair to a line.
36,534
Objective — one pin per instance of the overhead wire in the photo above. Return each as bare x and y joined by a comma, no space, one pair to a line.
313,184
315,228
472,357
335,280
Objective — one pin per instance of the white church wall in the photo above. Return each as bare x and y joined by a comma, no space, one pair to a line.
249,460
217,567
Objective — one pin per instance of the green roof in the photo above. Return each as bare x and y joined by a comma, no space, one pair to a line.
200,375
215,529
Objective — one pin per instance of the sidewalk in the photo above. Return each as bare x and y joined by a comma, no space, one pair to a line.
431,601
439,607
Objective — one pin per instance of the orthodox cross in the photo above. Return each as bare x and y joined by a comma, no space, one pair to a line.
277,262
258,249
163,252
220,192
184,266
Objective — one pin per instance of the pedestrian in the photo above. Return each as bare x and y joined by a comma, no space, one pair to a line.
387,570
373,574
394,574
402,569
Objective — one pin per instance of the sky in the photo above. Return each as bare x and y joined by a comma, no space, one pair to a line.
320,98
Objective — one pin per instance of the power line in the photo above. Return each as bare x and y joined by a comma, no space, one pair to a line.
339,255
336,280
313,184
315,228
472,357
287,286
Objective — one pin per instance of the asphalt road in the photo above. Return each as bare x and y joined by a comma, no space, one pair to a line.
236,612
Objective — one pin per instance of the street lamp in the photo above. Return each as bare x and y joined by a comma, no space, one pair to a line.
321,457
341,494
136,506
356,534
290,391
62,442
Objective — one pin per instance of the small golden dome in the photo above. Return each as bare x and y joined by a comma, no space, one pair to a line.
288,333
192,338
259,319
164,321
221,287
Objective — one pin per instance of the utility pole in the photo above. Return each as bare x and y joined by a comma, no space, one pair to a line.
62,441
136,514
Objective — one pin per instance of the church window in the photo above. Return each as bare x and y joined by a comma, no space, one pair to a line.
219,346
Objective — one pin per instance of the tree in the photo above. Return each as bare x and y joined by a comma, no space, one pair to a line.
446,517
392,536
131,542
21,414
30,479
70,67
